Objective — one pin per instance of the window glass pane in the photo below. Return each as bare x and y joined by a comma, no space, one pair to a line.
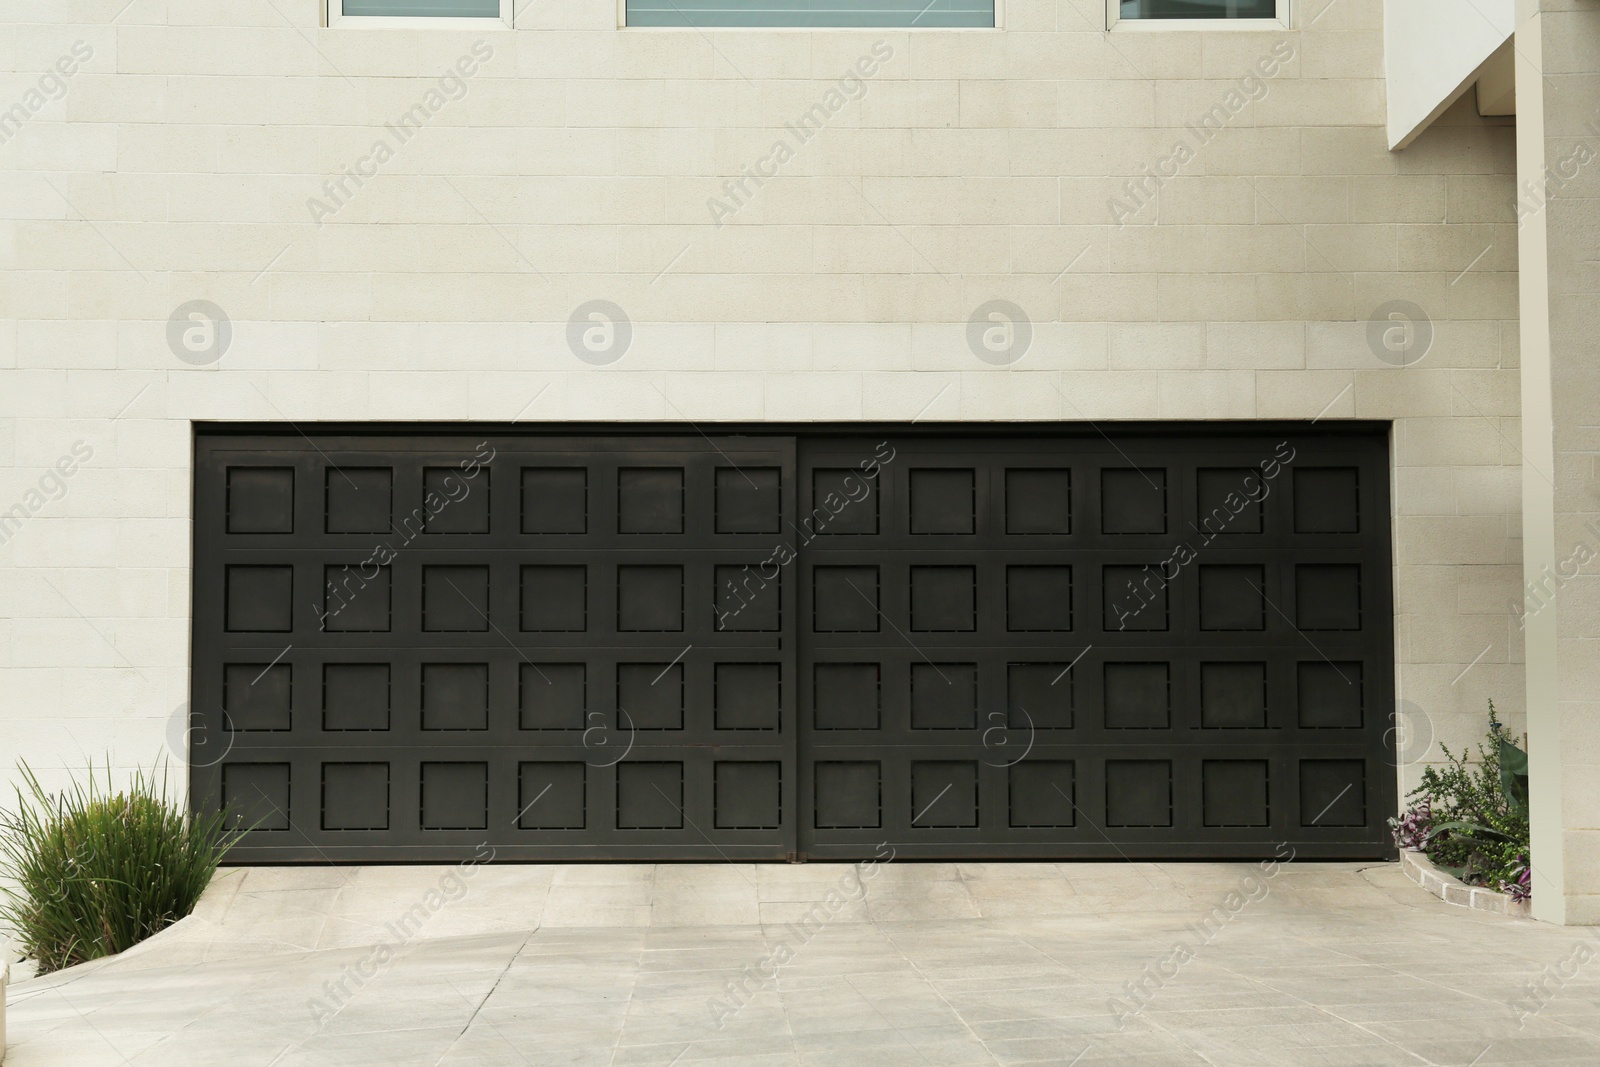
1199,9
424,8
916,14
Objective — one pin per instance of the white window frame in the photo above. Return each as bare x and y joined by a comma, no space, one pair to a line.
333,15
622,24
1115,21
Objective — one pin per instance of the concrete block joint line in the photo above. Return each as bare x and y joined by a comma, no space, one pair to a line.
51,86
1251,88
852,85
199,332
450,87
52,486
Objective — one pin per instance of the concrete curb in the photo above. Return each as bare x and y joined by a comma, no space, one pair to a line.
1421,870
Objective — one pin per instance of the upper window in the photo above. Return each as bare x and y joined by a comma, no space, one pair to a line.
411,12
1180,13
813,14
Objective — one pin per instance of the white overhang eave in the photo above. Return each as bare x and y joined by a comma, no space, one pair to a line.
1434,51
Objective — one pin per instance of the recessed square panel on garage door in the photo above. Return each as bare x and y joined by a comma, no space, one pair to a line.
256,795
260,500
649,599
1038,501
1133,501
747,602
1138,696
749,795
748,500
1041,794
260,599
944,696
1232,597
257,696
355,796
355,696
455,796
944,599
1330,695
555,500
650,500
1327,500
1229,500
554,696
1327,596
845,599
843,502
455,696
944,794
1038,599
357,601
848,795
454,503
555,599
359,500
455,599
1233,696
1333,792
1235,792
943,501
551,796
651,694
1039,695
846,696
1135,598
1138,793
649,795
749,696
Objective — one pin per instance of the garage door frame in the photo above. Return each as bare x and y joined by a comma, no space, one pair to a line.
1366,438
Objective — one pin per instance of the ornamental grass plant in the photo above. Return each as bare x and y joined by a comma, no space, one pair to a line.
93,870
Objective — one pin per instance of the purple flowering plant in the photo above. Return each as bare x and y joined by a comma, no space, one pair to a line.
1470,817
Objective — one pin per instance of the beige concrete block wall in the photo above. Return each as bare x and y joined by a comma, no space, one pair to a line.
178,161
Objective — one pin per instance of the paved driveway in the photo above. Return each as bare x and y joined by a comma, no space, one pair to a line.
828,964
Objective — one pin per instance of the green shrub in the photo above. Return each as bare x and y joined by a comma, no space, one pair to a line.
1471,819
98,870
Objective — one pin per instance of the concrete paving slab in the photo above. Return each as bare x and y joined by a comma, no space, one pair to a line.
947,964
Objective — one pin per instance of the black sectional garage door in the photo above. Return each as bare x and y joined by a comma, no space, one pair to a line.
1158,643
